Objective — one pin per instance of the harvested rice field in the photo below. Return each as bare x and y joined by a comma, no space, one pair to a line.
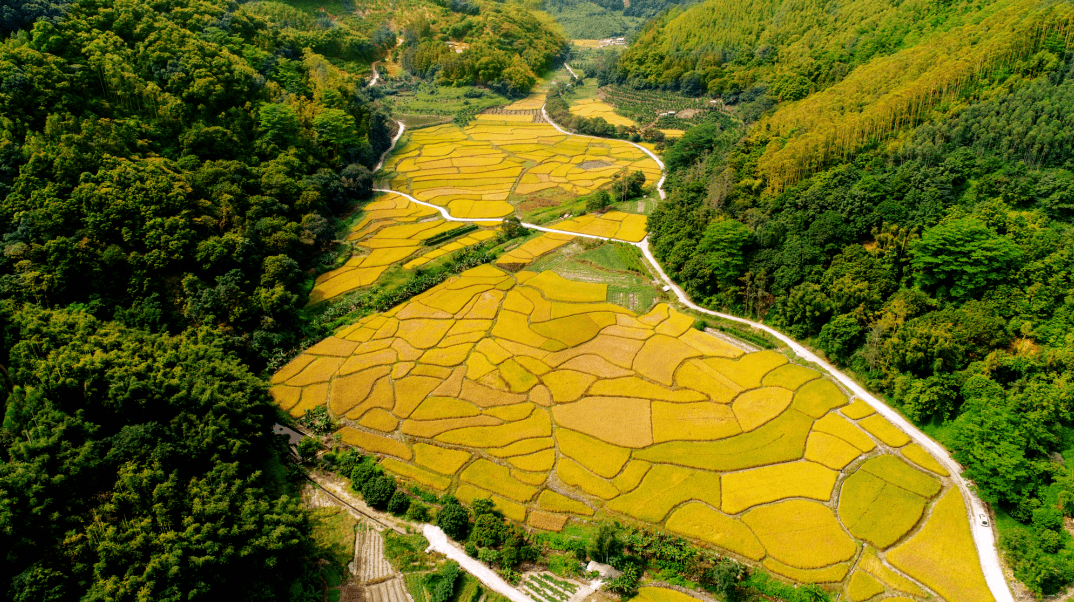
393,229
534,391
478,171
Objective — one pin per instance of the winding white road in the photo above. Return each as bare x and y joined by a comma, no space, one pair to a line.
984,537
439,542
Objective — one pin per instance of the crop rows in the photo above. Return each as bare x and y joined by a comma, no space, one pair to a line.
644,106
369,553
494,385
541,589
392,590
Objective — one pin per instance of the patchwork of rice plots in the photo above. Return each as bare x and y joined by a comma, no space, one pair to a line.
613,224
594,107
475,171
392,228
524,254
532,390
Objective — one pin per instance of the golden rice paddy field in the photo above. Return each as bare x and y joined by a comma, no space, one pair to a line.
613,224
525,253
475,171
594,107
535,392
392,229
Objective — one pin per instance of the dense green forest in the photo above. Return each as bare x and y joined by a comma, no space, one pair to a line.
506,46
936,267
169,171
502,45
599,19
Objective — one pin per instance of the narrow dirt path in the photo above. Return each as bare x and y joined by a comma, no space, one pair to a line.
984,537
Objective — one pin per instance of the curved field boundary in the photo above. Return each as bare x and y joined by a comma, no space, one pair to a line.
984,537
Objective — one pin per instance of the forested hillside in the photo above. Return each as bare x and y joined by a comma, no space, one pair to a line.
502,45
597,19
168,171
930,256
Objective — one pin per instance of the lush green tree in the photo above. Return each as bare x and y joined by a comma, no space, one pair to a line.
840,337
399,503
719,259
959,258
454,520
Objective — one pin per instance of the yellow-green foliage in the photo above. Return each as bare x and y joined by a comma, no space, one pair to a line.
800,533
830,450
884,430
558,288
537,425
884,499
556,502
831,574
699,521
429,479
494,477
535,462
567,385
863,586
705,421
631,476
633,386
871,563
748,488
661,594
757,406
858,410
917,454
665,487
521,448
838,426
511,510
436,408
442,460
942,554
816,398
572,473
781,440
632,427
374,443
748,370
789,376
660,356
601,458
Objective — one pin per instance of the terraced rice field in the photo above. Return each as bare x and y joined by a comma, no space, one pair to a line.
392,229
530,250
474,172
535,392
628,227
594,107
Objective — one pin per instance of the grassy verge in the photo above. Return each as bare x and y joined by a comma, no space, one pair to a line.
406,553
